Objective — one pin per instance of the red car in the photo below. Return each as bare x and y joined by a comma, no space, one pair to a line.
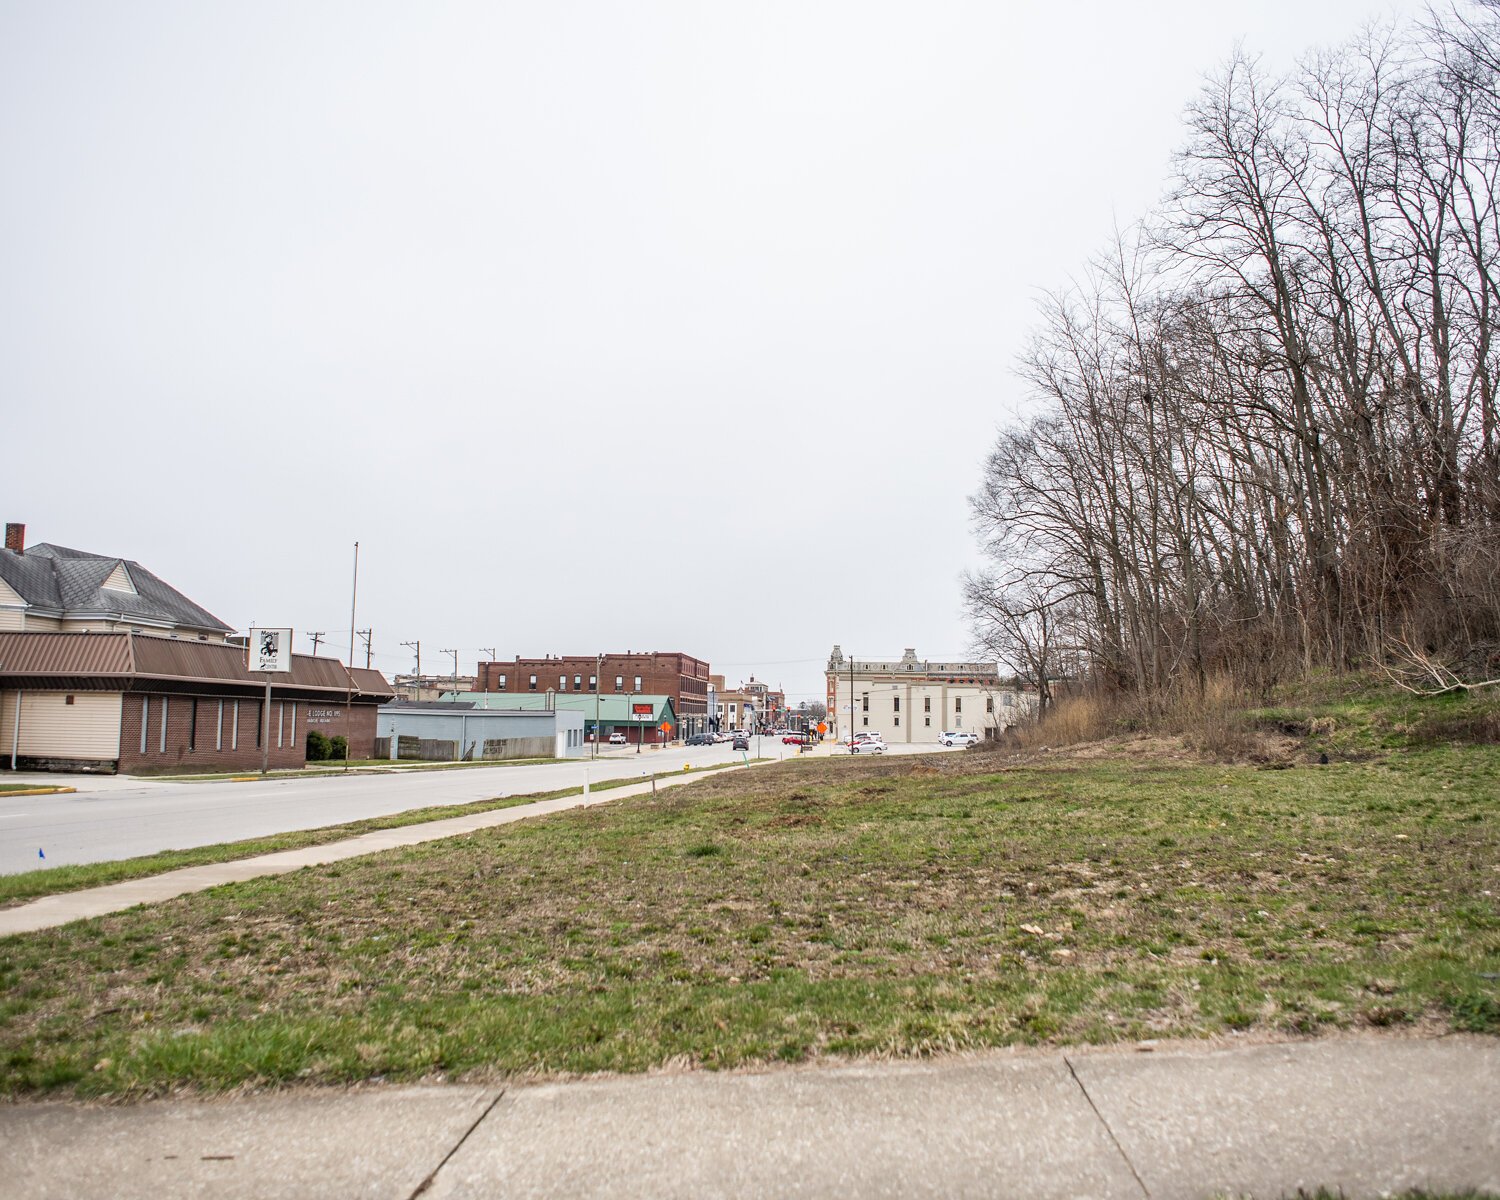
799,739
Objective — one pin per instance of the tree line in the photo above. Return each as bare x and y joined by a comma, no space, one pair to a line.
1268,436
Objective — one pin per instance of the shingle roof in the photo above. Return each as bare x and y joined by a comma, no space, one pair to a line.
70,583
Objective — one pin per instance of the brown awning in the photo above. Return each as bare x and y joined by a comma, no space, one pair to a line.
139,662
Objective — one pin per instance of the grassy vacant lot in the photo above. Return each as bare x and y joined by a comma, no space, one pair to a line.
835,907
28,885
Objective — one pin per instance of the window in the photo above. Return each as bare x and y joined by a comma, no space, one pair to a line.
593,683
927,704
867,721
927,721
1008,700
958,704
219,729
637,683
502,683
234,732
166,704
193,727
897,702
145,720
898,722
578,683
864,703
562,683
989,704
532,685
280,723
619,683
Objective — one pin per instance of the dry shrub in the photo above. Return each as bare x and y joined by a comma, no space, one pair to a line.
1212,721
1215,722
1085,717
1480,728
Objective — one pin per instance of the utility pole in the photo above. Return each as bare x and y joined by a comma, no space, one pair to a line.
366,635
417,645
349,695
316,638
455,668
598,666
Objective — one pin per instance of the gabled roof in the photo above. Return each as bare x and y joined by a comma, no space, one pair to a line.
71,584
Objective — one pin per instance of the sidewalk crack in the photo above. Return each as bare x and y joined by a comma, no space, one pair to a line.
433,1174
1140,1183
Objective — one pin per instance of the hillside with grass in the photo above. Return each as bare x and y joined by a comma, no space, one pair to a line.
1141,886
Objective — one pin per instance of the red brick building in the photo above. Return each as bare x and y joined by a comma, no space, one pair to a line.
681,677
136,703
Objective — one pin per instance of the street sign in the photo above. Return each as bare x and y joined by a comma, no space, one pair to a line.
822,728
666,726
270,650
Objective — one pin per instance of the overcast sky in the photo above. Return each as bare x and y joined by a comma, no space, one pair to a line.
599,326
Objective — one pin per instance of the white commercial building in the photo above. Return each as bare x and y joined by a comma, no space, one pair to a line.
915,700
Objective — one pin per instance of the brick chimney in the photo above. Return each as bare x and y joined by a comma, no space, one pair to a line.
15,537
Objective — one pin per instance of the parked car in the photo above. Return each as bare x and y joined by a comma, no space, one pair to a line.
617,738
799,739
868,745
723,735
701,739
741,742
958,737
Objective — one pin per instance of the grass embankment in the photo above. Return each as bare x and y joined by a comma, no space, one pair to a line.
835,907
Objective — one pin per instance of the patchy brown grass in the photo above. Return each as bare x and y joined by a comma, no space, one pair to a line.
832,907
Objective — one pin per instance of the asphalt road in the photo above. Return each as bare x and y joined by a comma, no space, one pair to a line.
114,817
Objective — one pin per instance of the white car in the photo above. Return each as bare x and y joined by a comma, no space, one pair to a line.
958,738
868,745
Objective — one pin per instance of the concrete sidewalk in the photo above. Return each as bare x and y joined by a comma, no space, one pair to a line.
51,911
1363,1115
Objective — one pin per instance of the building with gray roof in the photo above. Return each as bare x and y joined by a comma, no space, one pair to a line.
56,589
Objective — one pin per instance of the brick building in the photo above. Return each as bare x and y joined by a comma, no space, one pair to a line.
753,706
680,677
105,667
134,702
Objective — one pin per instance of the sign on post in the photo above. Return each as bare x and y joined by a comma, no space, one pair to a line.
270,650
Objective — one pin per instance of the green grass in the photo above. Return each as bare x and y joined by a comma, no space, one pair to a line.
826,908
30,787
29,885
